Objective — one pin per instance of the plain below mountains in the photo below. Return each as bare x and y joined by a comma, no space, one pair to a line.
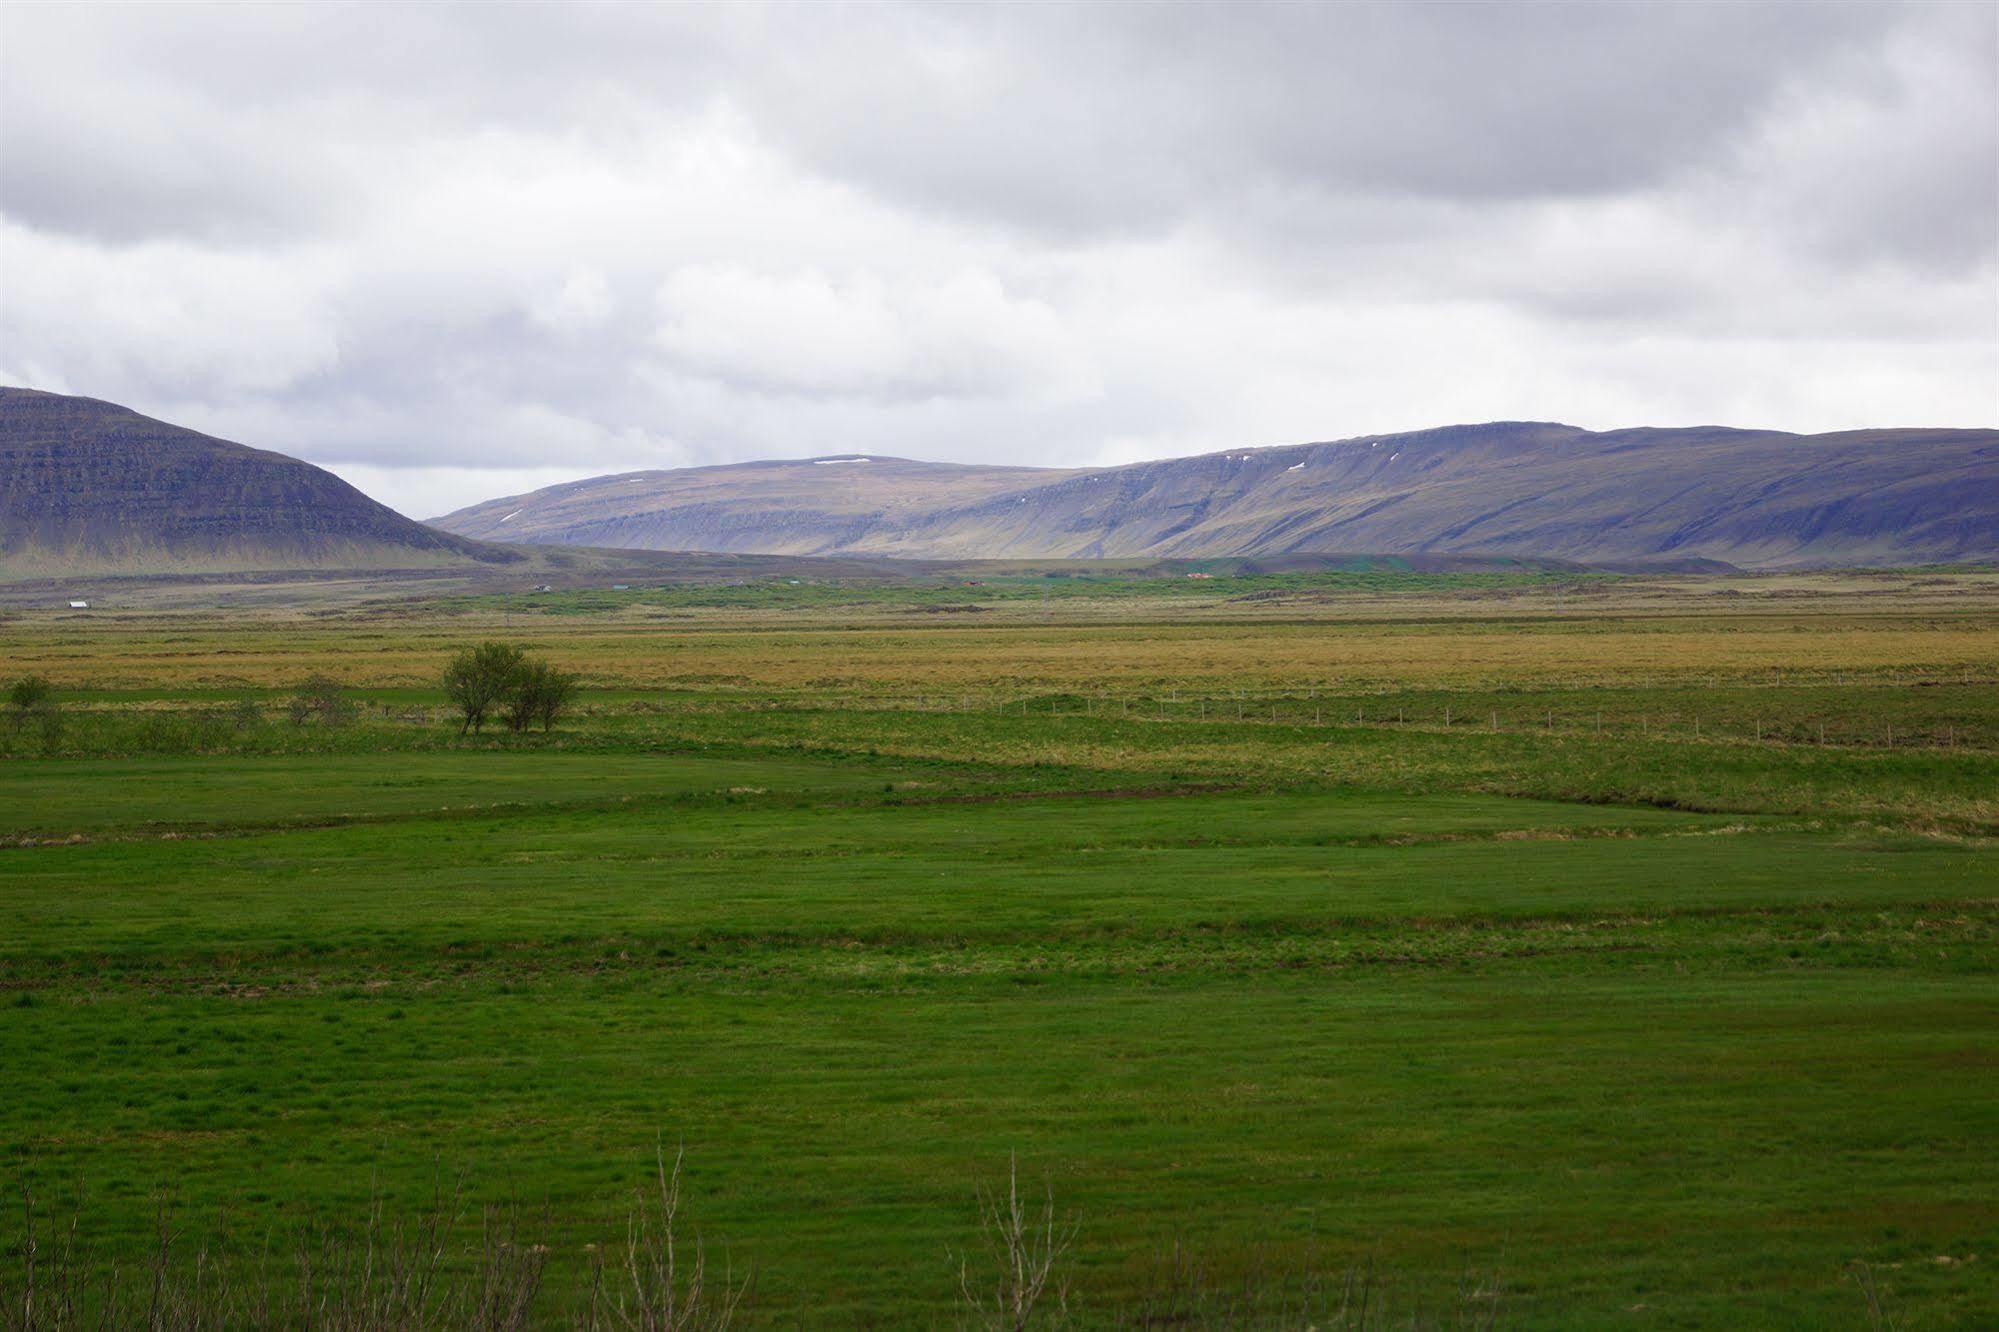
92,487
1751,498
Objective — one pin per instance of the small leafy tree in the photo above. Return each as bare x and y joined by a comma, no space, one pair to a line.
480,678
541,694
321,697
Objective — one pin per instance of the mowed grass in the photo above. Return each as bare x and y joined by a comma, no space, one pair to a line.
1630,1056
1056,867
95,799
1652,962
1717,1151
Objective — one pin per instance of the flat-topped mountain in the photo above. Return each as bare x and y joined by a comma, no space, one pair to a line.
1753,498
92,487
850,504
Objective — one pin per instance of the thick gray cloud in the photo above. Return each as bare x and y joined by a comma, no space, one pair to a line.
1124,115
456,250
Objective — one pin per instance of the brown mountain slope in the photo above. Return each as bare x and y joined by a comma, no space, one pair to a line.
89,487
1761,499
846,504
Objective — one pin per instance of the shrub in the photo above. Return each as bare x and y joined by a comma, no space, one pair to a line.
541,693
480,678
30,693
1025,1251
493,676
33,698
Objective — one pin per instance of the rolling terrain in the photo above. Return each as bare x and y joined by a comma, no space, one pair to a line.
1755,499
92,487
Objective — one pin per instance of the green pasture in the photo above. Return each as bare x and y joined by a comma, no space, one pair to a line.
1747,751
195,793
971,588
1657,1067
1637,967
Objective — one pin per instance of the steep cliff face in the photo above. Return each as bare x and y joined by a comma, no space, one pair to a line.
1759,499
88,486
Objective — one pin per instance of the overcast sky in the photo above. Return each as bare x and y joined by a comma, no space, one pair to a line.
455,252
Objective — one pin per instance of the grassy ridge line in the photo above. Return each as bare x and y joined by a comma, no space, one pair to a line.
155,832
1956,937
1953,790
887,877
74,801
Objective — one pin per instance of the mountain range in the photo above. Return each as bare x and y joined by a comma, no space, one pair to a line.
91,487
1751,498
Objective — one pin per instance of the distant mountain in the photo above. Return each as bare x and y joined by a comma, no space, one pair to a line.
1752,498
91,487
820,506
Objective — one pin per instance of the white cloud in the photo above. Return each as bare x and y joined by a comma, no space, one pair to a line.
961,336
582,302
450,248
432,492
164,315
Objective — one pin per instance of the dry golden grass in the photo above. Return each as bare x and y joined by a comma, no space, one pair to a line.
1921,625
216,653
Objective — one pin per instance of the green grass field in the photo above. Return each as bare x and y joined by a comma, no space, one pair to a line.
1663,1028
